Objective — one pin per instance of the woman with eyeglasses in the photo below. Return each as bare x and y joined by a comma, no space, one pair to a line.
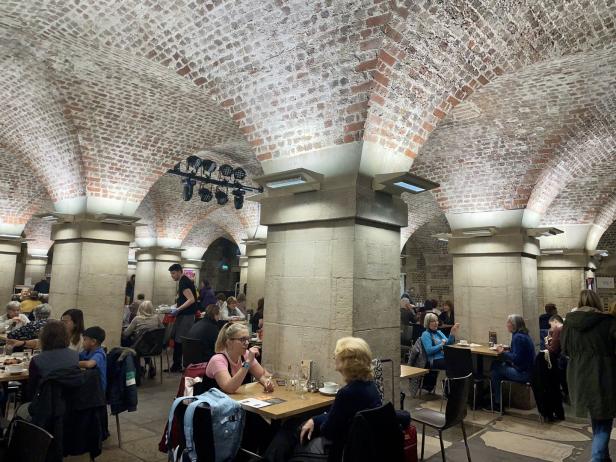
234,364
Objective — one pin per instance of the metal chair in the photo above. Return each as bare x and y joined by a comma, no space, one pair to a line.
406,342
150,345
459,363
27,442
192,352
454,413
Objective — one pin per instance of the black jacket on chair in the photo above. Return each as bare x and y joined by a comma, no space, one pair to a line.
70,404
121,380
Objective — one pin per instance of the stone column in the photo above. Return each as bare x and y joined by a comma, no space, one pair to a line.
255,274
561,278
9,249
152,277
493,277
35,269
243,264
89,272
332,271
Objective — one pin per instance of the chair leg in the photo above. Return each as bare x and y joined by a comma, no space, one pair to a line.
440,439
491,398
501,396
161,369
443,394
468,452
168,363
117,416
474,398
423,440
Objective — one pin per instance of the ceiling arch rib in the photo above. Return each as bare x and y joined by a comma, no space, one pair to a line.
436,56
491,150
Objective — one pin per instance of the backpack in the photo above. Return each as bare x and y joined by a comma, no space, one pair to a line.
227,421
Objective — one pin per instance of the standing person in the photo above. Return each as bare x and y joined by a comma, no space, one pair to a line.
589,340
185,312
42,287
517,364
73,320
93,356
544,323
129,292
206,294
13,319
407,314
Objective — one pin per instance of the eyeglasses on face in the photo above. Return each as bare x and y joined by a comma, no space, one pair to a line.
242,339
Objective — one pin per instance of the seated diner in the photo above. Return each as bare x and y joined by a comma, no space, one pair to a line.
434,342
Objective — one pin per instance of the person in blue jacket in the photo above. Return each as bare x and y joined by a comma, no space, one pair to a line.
517,361
434,342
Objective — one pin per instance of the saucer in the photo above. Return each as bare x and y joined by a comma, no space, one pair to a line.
327,393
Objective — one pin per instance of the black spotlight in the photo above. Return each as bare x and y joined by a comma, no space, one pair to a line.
194,162
239,173
187,189
226,170
209,166
205,194
238,198
221,197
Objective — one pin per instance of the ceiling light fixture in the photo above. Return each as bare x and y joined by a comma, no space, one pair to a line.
285,183
228,178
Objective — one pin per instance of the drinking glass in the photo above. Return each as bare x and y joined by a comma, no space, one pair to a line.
301,388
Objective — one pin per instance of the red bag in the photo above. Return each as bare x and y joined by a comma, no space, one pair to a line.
410,444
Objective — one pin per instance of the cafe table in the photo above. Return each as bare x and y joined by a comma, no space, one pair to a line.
6,377
293,404
409,372
479,351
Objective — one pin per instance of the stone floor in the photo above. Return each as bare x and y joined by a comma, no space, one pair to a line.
517,436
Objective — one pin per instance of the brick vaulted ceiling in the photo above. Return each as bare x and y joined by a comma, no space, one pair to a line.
100,97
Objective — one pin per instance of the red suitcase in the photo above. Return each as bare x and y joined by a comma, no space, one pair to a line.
410,444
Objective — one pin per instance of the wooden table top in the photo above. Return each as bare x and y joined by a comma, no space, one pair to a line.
409,372
478,349
293,405
6,377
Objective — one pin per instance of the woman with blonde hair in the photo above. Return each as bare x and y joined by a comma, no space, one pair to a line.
327,432
234,364
145,320
612,309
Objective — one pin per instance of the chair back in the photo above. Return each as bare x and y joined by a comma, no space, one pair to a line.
458,362
27,442
375,434
192,351
150,343
459,388
417,331
406,336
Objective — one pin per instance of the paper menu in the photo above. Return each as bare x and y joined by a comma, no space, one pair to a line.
256,403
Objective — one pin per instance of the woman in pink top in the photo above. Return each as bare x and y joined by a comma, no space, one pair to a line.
234,365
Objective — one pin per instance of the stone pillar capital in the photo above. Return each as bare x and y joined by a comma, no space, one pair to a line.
94,229
191,264
481,241
10,245
161,254
256,250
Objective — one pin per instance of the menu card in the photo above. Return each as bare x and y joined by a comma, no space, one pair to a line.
492,337
306,369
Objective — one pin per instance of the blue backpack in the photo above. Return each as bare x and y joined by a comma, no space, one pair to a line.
227,418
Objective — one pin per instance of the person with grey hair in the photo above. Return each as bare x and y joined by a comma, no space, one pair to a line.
13,319
517,361
28,335
433,342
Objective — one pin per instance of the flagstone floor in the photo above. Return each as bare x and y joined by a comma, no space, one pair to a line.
517,436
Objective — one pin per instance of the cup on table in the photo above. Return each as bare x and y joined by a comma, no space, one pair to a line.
14,368
464,342
330,387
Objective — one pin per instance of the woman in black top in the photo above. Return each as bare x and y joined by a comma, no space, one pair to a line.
446,318
206,330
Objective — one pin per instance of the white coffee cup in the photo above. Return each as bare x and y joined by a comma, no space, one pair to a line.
463,342
330,387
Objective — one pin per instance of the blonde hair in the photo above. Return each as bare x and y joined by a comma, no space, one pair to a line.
429,318
146,309
229,331
591,299
355,358
612,309
231,300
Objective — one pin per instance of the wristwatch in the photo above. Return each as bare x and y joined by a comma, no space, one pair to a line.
246,365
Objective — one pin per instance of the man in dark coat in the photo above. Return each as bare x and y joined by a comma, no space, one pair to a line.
589,340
